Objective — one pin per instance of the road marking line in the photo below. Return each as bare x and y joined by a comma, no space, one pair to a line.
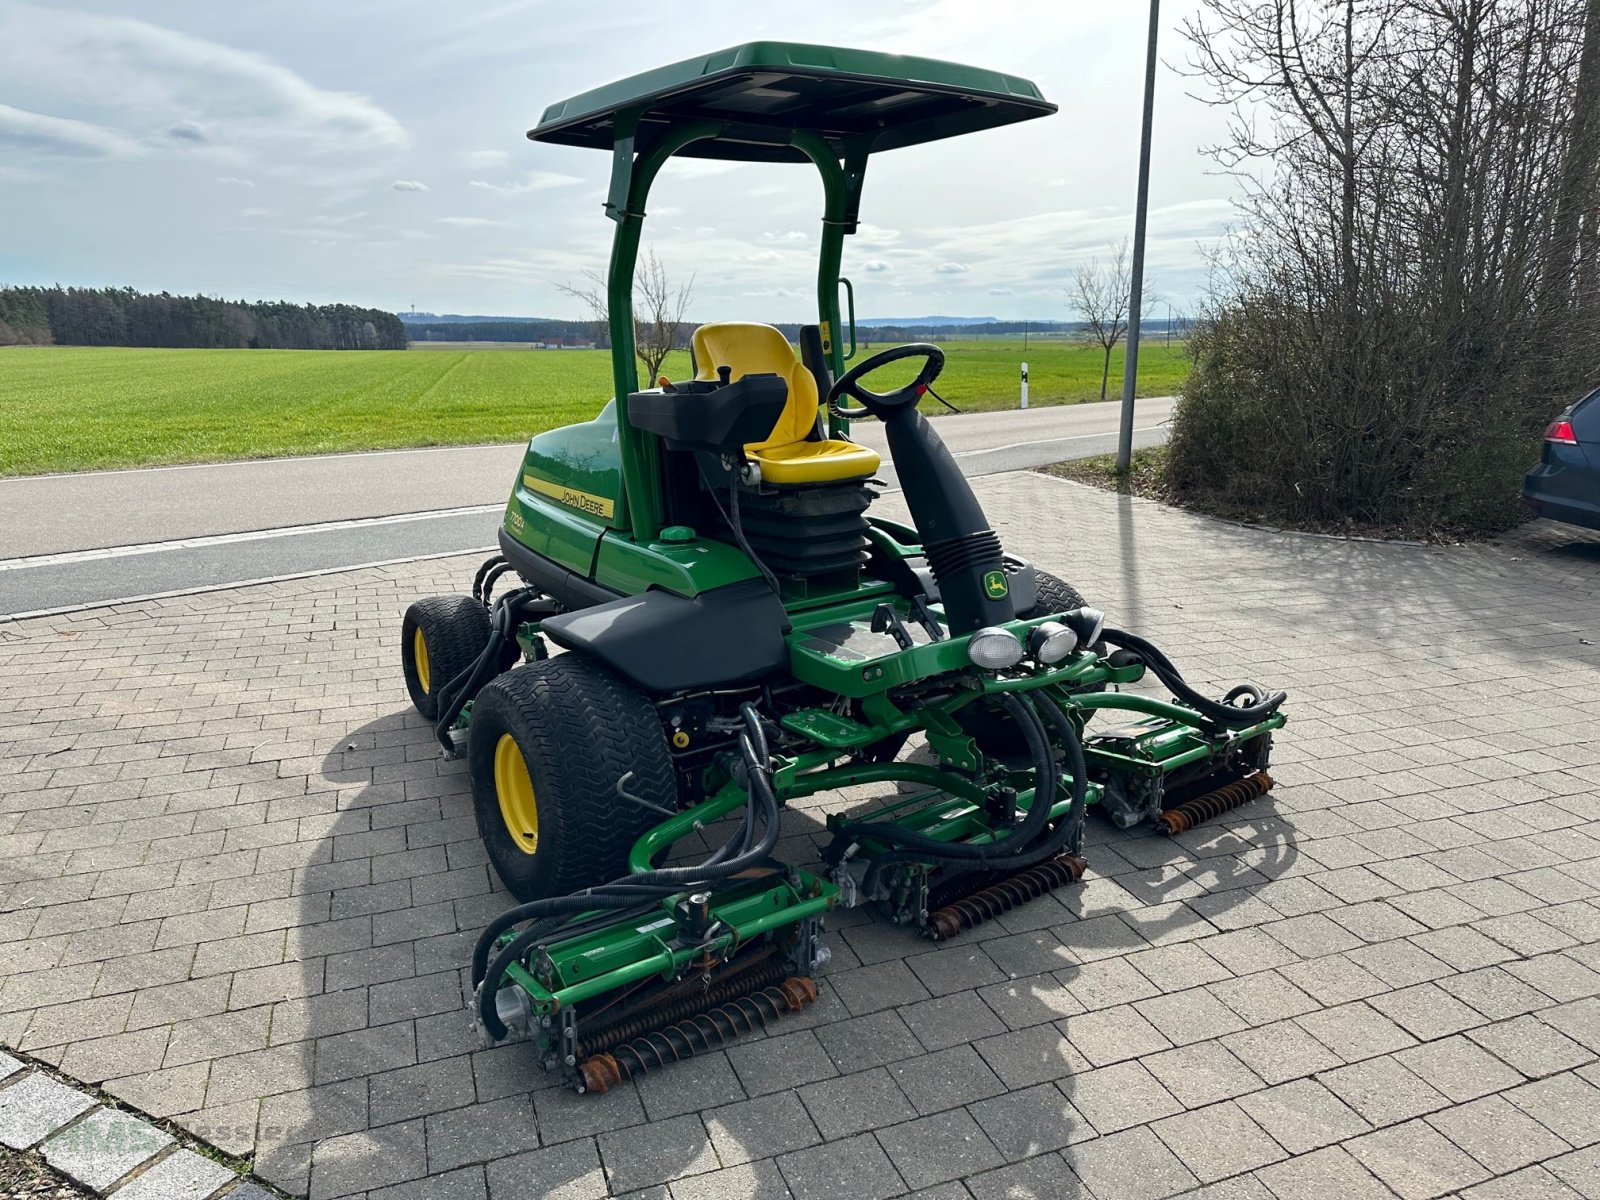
7,618
229,539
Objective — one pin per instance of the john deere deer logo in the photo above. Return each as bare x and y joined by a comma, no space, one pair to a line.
994,585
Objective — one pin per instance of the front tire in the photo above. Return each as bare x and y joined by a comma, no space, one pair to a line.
1055,596
440,638
547,745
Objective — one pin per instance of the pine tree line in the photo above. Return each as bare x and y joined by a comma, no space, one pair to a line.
125,317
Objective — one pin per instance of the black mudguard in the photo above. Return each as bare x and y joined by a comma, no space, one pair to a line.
669,643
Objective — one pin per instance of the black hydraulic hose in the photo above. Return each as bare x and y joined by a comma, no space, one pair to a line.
1067,735
738,536
453,696
477,580
1044,780
1225,713
1058,839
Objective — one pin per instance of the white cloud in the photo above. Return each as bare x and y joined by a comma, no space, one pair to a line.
408,185
62,135
533,181
159,84
187,102
951,268
340,219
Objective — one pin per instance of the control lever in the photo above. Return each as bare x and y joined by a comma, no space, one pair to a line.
886,620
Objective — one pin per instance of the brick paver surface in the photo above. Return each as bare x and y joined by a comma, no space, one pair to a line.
240,887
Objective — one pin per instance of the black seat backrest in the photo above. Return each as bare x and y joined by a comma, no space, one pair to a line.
811,354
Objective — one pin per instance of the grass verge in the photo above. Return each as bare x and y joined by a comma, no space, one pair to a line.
1147,478
75,408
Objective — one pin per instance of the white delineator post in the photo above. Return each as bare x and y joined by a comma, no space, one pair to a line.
1024,385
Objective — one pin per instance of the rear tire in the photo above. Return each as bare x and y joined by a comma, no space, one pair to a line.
572,729
440,638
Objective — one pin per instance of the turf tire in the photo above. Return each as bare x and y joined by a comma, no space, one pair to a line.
580,729
1055,596
455,630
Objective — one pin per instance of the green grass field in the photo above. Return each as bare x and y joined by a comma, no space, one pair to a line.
70,408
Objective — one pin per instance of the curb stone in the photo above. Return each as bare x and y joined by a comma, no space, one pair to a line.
108,1151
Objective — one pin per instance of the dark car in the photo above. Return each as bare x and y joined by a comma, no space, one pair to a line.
1565,486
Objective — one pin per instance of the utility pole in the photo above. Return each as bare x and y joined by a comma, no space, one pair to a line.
1130,370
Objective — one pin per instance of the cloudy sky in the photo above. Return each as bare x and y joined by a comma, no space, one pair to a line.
373,151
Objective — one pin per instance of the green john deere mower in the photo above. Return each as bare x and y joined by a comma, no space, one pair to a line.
738,633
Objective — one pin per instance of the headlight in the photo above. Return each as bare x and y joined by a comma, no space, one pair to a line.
1051,642
993,648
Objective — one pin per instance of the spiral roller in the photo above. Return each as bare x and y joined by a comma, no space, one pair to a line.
670,1012
1213,804
704,1031
988,903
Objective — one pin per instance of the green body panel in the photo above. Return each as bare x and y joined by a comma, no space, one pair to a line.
567,490
687,568
554,530
584,457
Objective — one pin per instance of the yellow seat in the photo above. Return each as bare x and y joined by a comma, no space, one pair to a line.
788,455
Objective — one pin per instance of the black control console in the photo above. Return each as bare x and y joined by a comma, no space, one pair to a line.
713,415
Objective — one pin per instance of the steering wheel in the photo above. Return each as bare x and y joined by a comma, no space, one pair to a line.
882,406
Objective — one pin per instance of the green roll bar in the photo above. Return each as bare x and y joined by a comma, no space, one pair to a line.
639,507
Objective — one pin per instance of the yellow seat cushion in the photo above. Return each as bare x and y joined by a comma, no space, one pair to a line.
814,462
786,456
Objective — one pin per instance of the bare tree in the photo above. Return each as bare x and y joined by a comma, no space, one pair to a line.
1100,294
658,312
591,293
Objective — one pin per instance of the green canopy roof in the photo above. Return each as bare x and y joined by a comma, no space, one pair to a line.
761,91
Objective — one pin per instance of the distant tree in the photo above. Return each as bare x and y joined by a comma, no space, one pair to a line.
124,317
1100,294
658,312
659,328
591,293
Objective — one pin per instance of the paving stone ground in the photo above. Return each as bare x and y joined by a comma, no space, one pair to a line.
238,887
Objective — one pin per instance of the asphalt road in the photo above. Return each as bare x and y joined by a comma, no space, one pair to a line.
70,541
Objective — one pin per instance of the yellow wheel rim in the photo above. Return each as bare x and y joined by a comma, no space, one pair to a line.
514,788
419,655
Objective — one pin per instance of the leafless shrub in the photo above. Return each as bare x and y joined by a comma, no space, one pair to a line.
1415,291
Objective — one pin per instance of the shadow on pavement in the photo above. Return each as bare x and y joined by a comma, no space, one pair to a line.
394,1087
